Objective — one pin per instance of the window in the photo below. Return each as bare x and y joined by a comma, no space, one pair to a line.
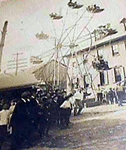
103,53
78,81
75,83
104,78
115,50
87,80
100,52
85,58
119,73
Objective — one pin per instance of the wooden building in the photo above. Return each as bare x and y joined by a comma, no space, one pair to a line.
112,49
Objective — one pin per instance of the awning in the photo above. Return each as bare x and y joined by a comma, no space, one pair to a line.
20,80
42,72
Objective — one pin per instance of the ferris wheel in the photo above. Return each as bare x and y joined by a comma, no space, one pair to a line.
68,34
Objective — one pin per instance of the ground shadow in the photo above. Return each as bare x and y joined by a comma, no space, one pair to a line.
82,134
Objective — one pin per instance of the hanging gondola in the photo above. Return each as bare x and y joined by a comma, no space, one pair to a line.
103,31
94,9
55,16
42,36
70,3
72,45
100,64
111,31
74,5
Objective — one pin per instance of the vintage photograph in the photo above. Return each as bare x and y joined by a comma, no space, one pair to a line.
62,75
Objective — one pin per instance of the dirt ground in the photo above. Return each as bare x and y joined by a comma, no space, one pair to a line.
97,128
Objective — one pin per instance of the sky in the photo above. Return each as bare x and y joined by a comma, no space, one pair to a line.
26,18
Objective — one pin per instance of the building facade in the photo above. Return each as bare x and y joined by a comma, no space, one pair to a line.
112,50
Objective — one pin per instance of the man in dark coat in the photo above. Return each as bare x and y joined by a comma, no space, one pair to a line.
22,119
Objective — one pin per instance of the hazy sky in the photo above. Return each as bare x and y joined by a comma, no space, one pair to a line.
26,18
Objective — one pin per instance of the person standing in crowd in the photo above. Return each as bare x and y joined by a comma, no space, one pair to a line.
124,83
3,124
115,96
78,105
11,110
120,95
111,96
21,121
99,94
65,112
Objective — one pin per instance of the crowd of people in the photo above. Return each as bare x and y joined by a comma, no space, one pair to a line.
34,111
38,110
114,95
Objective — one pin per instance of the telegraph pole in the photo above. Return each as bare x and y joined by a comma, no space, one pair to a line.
2,41
17,54
17,63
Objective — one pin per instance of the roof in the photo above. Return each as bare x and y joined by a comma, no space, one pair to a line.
46,72
44,65
104,43
22,79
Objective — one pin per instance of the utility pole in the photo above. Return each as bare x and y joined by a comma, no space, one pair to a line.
17,54
2,41
17,63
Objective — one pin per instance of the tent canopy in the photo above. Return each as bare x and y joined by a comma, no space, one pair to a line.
20,80
42,72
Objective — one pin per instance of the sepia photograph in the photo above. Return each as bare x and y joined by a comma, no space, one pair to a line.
62,75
